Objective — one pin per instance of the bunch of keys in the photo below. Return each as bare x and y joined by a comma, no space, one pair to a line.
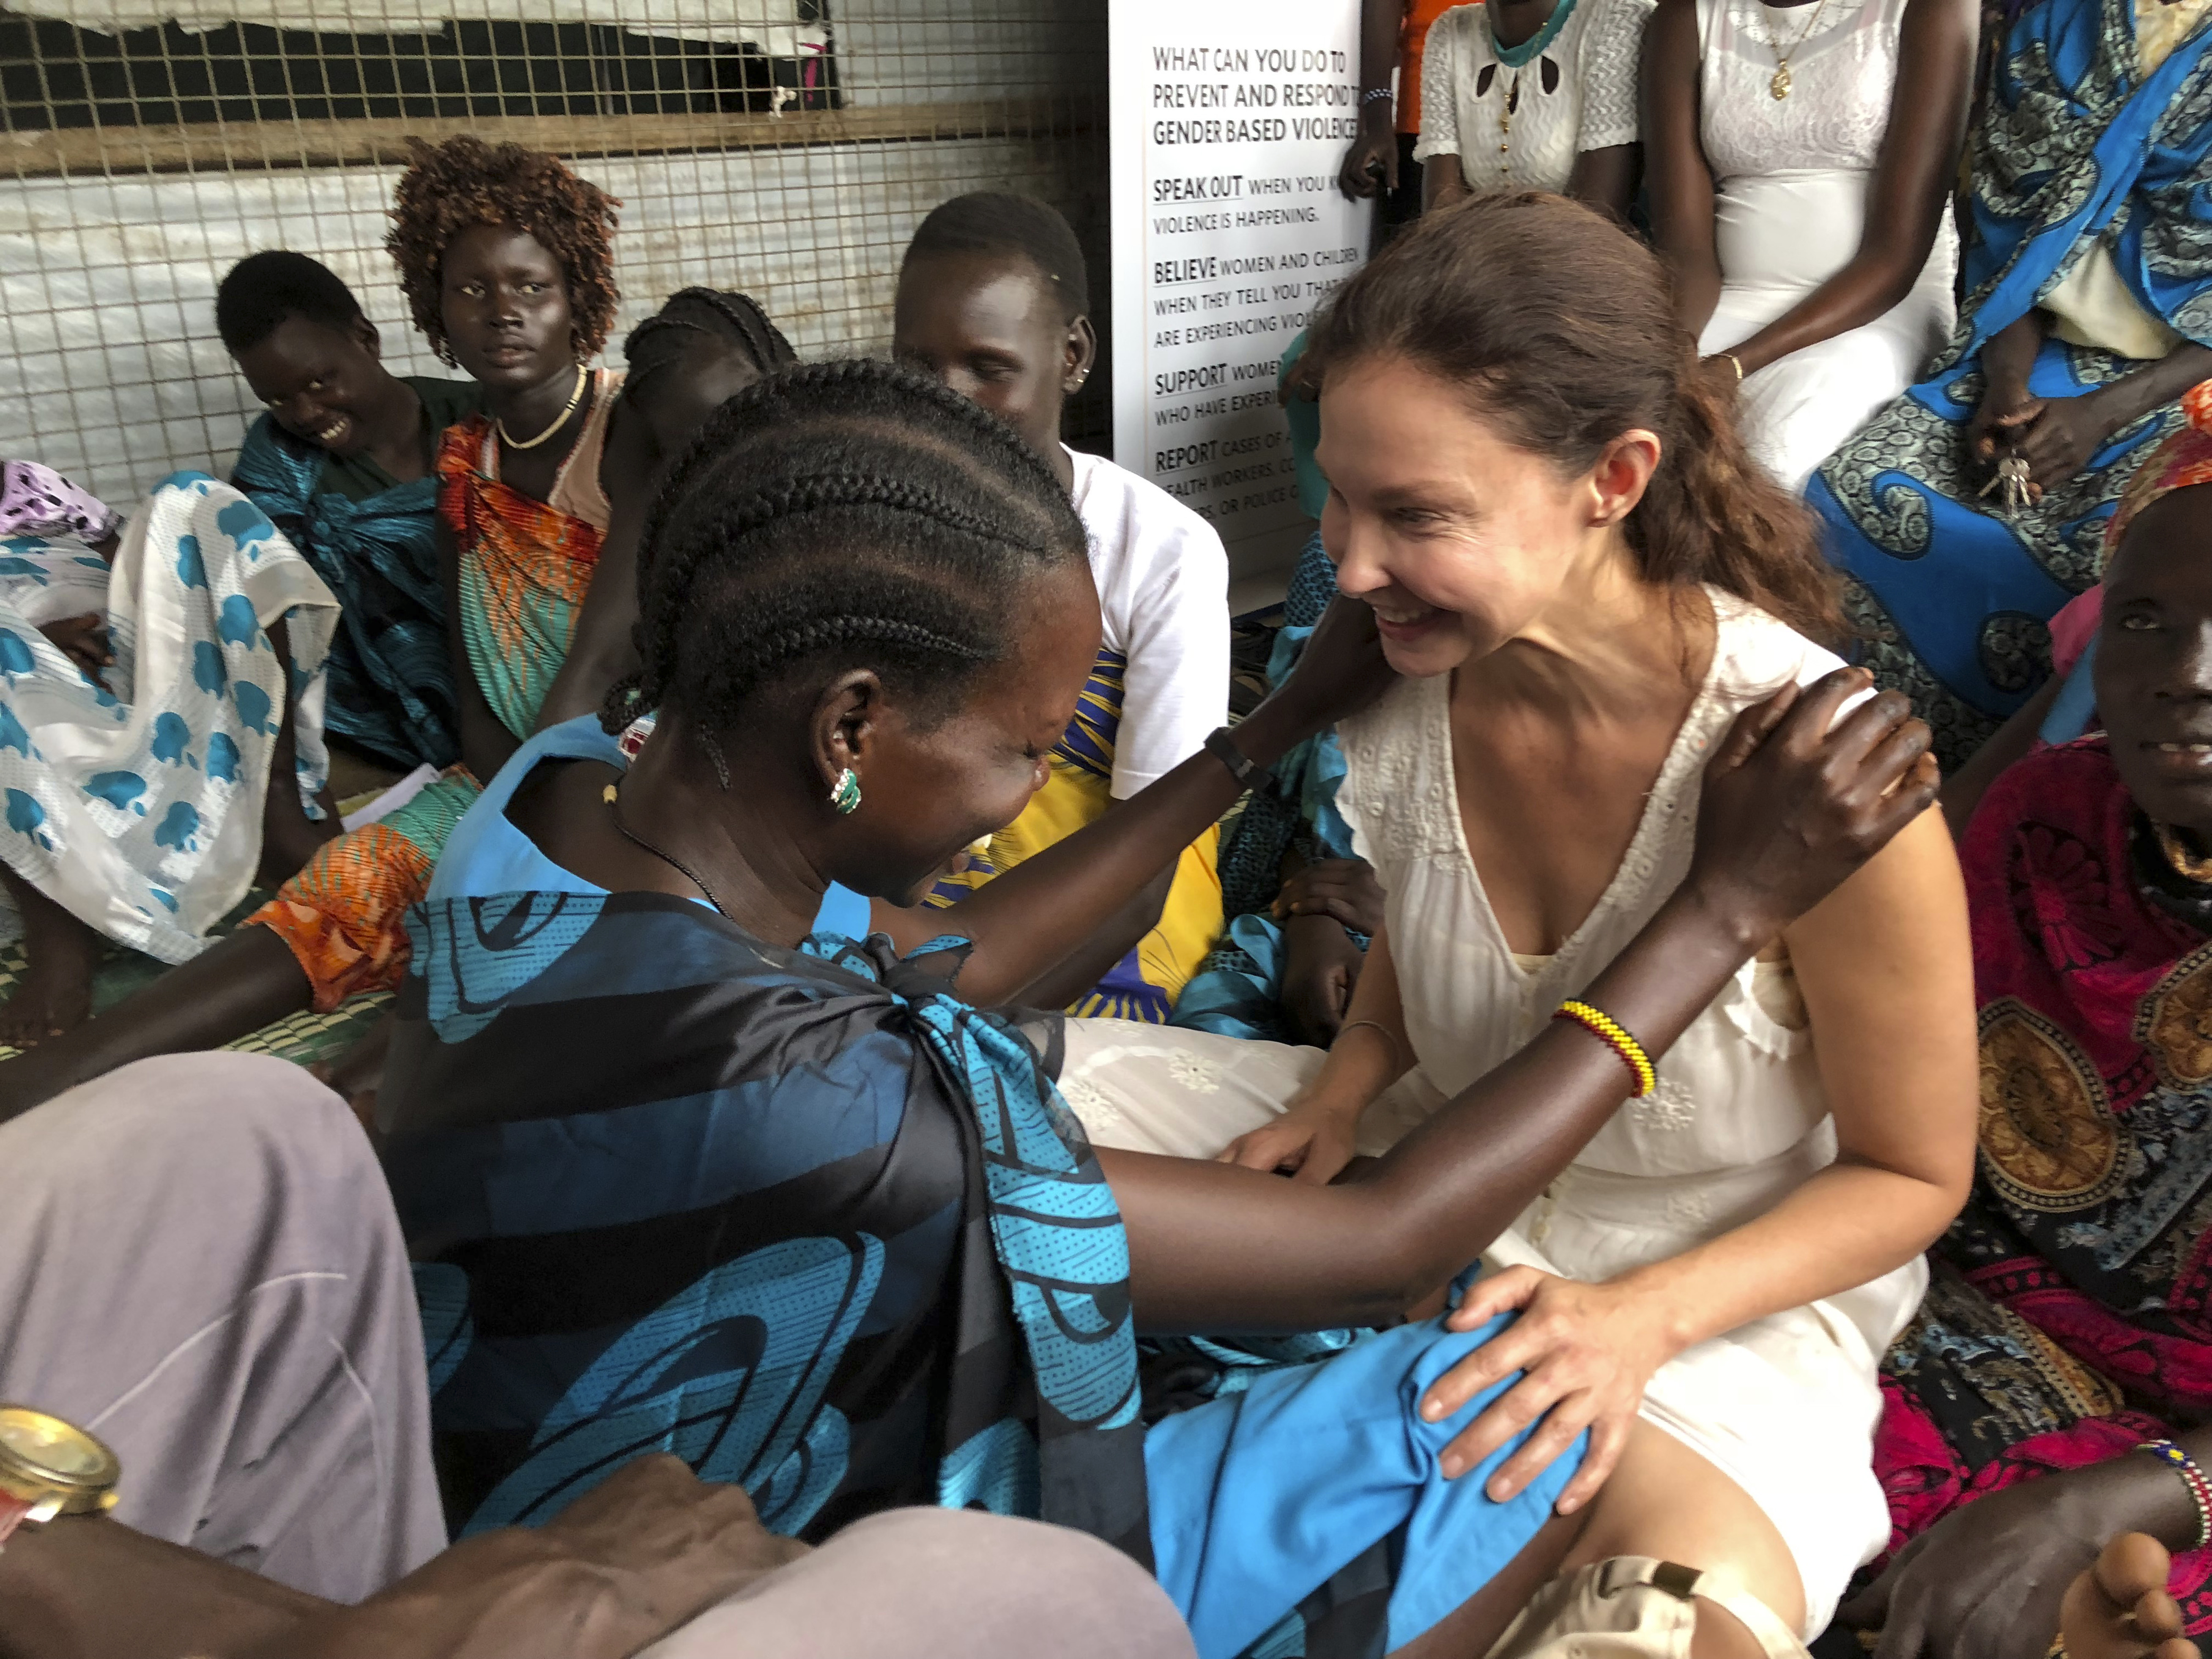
2009,482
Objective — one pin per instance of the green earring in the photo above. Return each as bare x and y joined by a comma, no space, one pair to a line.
845,796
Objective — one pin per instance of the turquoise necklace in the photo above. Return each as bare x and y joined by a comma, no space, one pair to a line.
1515,58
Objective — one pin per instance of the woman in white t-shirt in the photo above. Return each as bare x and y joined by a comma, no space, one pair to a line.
993,299
1533,94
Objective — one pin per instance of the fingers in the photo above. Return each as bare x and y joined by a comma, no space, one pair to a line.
1319,1164
1498,1422
1338,907
1751,729
1492,1295
1608,1439
1811,725
1268,1150
660,1479
1915,792
1552,1438
1848,749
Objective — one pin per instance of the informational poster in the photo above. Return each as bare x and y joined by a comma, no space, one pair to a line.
1231,120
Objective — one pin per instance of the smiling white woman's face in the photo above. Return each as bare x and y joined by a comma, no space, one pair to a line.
1461,540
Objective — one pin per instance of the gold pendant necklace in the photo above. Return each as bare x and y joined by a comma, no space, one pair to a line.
1505,124
583,379
1778,87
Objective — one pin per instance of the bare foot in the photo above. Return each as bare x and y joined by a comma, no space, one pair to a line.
2119,1608
60,953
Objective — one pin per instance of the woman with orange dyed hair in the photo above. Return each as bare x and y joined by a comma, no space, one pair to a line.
506,260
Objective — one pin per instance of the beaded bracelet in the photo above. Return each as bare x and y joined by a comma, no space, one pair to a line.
1371,94
1614,1035
2200,1489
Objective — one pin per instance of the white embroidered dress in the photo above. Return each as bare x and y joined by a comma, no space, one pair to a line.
1575,90
1787,1405
1791,179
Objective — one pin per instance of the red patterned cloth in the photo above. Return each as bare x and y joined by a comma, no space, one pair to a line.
2067,1321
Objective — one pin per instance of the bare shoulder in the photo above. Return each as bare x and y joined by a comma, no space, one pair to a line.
1937,23
1905,911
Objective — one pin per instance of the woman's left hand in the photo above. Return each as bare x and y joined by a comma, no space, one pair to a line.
1585,1353
2056,436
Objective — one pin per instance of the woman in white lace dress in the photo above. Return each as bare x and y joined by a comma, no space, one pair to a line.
1801,159
1532,94
1584,581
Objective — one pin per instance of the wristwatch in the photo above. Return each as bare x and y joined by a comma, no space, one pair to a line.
49,1468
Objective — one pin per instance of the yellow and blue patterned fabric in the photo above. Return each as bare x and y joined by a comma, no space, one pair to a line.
1145,984
813,1224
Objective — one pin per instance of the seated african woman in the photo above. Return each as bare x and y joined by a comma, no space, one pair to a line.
154,752
540,495
344,463
2063,1328
1973,506
699,1119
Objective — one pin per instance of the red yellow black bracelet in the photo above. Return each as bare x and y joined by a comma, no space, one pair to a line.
1610,1031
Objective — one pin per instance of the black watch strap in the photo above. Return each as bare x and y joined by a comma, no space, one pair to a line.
1223,747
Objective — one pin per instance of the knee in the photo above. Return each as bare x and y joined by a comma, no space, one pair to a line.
1022,1576
219,1132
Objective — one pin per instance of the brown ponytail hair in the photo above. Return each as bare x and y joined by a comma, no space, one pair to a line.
1560,325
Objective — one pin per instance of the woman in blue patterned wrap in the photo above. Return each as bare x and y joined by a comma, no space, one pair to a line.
678,1175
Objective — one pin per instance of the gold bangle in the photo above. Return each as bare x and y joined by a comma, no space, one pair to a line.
1733,362
1397,1054
1615,1036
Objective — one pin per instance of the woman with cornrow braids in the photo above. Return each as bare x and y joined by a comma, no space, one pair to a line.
794,1208
993,301
531,533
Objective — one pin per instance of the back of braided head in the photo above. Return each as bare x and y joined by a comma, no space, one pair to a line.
695,313
837,516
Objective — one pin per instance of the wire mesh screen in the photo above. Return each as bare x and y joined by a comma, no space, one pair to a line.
785,146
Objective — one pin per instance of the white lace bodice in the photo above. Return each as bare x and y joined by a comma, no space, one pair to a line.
1740,1089
1575,91
1841,80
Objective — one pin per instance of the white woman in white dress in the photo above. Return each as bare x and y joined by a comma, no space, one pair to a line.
1583,579
1801,158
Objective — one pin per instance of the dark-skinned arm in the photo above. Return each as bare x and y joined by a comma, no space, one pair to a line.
1442,181
1036,917
632,1560
486,744
1783,822
1983,1582
604,647
1913,180
1964,789
2058,435
1682,184
2007,357
1381,23
1605,178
